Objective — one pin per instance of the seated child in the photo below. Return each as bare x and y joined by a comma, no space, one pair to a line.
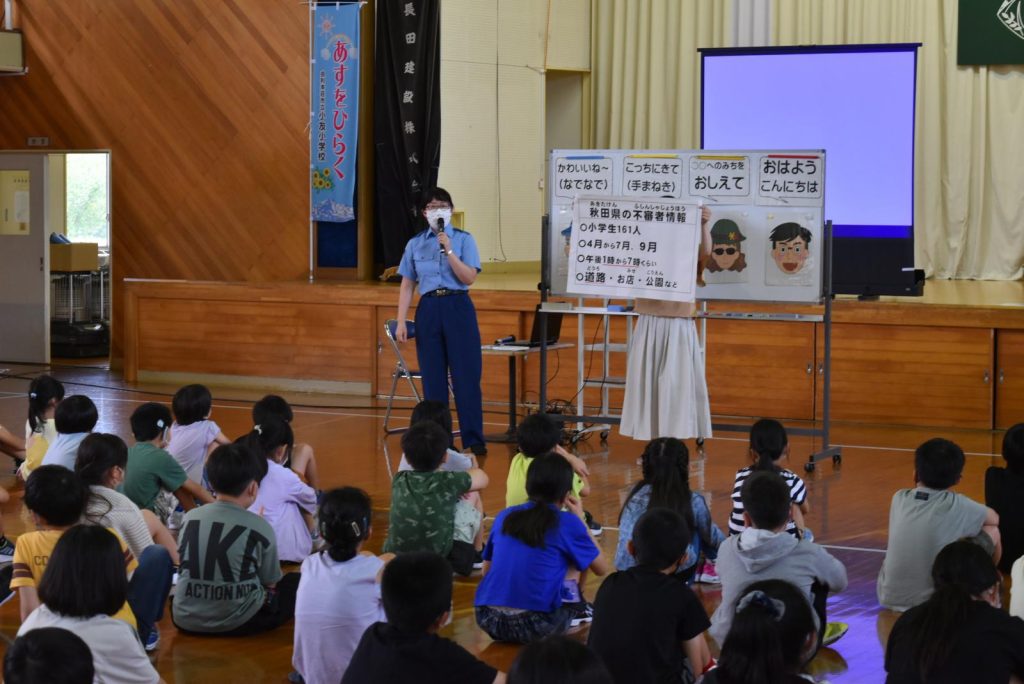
339,595
648,624
80,589
56,499
535,559
44,393
300,456
193,434
428,512
74,418
416,589
924,519
1004,493
665,466
153,480
769,446
230,580
49,655
539,434
765,551
558,660
960,634
283,498
774,635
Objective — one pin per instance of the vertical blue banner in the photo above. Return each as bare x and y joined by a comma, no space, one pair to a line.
334,92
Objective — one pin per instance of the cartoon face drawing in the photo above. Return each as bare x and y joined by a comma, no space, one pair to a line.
726,248
790,242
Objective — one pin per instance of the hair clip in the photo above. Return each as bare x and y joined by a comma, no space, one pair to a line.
160,422
258,429
774,607
33,395
355,529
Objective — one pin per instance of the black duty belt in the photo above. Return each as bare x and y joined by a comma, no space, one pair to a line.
444,292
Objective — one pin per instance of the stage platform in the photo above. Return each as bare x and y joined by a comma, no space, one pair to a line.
952,357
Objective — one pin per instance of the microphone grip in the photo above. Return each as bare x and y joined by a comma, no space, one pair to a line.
508,339
440,229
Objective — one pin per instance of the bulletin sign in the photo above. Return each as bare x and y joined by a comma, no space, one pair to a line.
766,224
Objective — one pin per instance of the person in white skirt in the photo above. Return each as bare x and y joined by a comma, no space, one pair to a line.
666,392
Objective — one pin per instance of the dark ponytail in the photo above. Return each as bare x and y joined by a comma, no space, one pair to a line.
97,454
766,642
270,434
548,481
665,465
41,391
768,440
344,521
962,570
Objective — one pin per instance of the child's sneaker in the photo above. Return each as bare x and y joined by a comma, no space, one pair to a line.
582,611
706,574
834,631
153,640
6,574
6,550
592,525
478,560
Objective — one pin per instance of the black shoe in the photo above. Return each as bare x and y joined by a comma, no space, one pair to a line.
478,560
478,449
594,526
582,611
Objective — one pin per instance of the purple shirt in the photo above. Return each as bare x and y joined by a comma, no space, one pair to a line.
281,499
188,446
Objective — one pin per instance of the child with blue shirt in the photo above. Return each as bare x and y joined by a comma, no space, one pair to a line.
536,559
75,417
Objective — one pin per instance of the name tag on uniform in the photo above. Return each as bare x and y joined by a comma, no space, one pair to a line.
921,496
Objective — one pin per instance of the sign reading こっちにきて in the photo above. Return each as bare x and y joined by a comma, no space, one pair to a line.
334,89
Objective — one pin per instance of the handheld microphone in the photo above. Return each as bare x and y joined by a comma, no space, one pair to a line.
438,231
505,340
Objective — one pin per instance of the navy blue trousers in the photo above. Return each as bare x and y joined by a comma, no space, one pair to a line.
448,337
149,587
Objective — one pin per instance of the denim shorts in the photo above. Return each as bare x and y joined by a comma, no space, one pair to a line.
521,626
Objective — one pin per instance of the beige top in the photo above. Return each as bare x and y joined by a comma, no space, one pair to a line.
664,308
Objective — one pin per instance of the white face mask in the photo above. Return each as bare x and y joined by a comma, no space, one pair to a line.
434,214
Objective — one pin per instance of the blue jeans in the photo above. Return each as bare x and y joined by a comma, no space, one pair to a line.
522,627
149,587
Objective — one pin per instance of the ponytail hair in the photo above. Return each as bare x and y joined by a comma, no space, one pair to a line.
766,642
269,435
41,391
665,465
768,440
97,454
548,481
344,521
962,570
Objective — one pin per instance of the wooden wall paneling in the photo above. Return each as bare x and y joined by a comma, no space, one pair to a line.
911,375
760,368
1009,378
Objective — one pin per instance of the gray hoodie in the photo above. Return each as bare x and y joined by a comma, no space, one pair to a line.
758,555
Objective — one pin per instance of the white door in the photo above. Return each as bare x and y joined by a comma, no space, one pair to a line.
24,259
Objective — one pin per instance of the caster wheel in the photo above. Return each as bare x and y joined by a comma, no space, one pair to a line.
604,436
809,466
837,459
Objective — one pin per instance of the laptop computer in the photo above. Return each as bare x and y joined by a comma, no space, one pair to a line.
554,330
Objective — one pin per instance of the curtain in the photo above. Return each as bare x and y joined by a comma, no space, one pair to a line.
969,166
645,69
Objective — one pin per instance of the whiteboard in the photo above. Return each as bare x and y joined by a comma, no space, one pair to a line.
767,219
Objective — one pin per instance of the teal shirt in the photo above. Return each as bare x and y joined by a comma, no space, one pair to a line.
423,510
150,470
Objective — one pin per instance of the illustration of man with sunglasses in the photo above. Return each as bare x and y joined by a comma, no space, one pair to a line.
726,250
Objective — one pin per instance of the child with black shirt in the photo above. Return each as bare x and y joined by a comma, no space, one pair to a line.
416,589
643,614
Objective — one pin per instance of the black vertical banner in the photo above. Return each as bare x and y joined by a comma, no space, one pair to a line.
407,119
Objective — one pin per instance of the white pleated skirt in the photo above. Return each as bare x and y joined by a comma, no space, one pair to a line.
666,392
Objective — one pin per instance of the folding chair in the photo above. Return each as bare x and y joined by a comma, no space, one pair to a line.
402,370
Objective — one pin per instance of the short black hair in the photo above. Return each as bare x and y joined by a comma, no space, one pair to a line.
1013,448
424,445
766,498
271,405
660,538
784,232
435,193
75,414
939,463
56,495
558,660
231,467
85,575
150,420
97,454
191,404
436,411
48,655
538,434
416,590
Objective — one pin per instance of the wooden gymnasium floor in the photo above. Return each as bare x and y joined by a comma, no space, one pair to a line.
849,511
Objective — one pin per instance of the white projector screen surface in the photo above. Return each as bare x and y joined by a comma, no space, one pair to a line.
855,102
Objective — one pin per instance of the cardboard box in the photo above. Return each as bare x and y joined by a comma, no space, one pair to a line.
84,256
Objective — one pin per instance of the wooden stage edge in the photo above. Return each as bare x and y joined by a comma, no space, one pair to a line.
952,357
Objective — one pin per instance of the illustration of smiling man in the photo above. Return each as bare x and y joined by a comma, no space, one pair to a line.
790,242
